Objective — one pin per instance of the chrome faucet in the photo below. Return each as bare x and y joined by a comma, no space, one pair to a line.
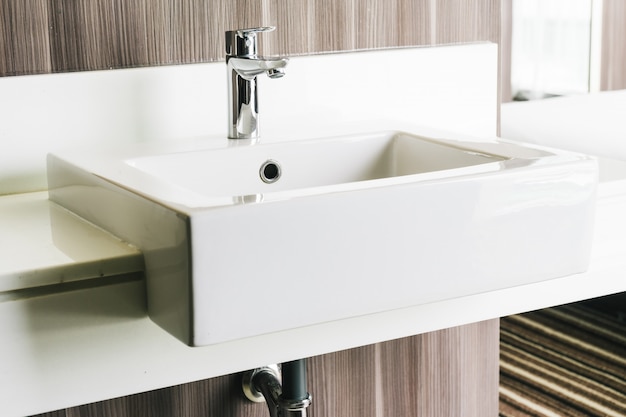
244,65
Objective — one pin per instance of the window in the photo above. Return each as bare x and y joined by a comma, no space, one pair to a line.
551,47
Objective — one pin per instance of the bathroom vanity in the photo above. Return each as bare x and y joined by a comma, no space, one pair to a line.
67,344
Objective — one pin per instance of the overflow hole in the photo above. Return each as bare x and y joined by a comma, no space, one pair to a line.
270,171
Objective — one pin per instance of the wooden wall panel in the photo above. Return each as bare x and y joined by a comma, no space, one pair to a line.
41,36
343,383
24,42
295,18
334,25
466,21
86,34
506,41
453,372
613,67
219,397
449,373
393,23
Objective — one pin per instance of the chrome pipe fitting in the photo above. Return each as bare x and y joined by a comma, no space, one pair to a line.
264,384
294,408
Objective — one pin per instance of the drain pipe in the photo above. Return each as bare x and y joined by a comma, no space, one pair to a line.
295,398
289,399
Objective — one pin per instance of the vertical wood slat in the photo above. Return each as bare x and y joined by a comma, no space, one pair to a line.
343,383
90,35
40,36
448,373
613,66
218,397
295,18
334,26
467,21
392,23
24,43
506,42
452,372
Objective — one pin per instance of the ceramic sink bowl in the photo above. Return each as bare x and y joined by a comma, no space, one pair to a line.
242,239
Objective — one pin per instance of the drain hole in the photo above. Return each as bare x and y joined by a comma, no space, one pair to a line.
270,171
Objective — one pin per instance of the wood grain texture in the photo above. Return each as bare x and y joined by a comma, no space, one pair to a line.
293,17
506,41
24,42
41,36
393,23
466,21
449,373
219,397
452,372
613,67
343,383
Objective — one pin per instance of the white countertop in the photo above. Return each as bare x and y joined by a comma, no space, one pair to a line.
67,348
587,123
33,255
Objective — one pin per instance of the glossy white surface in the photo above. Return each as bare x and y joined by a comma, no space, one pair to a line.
43,244
308,167
80,347
589,123
478,215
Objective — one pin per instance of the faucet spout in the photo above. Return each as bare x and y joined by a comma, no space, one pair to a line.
244,66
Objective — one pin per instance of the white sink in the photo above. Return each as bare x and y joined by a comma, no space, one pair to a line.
350,226
236,171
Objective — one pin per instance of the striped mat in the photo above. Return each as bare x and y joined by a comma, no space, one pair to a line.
563,361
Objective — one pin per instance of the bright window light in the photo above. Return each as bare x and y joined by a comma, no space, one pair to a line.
550,47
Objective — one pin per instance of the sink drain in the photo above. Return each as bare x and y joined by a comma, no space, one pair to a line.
269,171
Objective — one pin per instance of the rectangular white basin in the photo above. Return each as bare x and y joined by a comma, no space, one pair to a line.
353,225
234,171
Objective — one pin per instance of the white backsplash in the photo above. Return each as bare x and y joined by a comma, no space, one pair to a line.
451,87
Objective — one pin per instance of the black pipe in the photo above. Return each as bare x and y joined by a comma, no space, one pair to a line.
294,380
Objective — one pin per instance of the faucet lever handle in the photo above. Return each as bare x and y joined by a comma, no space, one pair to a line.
246,32
243,42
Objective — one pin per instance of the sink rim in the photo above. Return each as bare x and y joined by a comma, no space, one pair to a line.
116,166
